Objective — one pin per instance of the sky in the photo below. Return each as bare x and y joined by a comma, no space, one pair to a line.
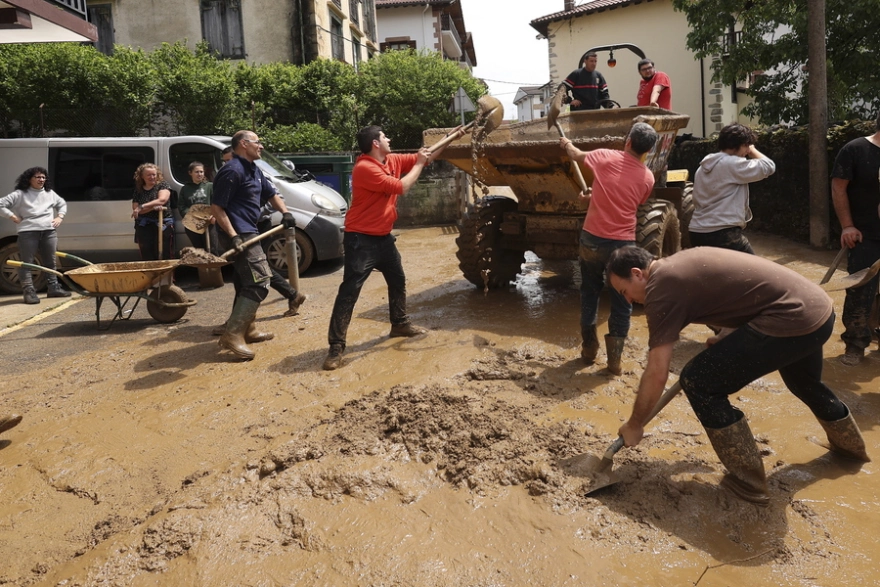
508,54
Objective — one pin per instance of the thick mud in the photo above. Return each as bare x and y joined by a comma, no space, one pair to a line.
463,457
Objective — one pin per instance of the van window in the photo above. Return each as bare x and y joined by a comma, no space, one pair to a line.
95,174
182,154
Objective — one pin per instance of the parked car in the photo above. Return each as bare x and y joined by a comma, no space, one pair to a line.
96,178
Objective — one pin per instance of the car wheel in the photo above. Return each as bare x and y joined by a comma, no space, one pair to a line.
9,281
305,252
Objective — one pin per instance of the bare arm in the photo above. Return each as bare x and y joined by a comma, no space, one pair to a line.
412,177
655,94
650,388
849,235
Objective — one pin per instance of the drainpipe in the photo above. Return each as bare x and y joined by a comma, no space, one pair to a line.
703,94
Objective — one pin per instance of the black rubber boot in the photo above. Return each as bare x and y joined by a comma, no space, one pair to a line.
30,295
614,349
737,450
232,339
590,345
845,438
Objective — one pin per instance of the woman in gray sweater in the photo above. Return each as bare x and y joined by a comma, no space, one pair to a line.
37,211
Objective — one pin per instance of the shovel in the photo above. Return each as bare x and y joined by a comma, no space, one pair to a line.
200,258
555,109
602,472
834,265
490,111
857,279
209,276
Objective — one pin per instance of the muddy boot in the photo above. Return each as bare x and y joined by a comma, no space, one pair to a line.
30,295
737,450
590,345
407,330
853,356
614,349
845,438
219,330
334,358
254,335
232,339
294,303
7,422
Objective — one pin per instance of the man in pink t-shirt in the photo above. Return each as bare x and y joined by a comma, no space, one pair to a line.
621,184
654,87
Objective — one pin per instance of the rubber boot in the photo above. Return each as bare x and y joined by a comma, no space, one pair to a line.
845,438
738,452
232,339
614,349
30,295
254,335
219,330
590,345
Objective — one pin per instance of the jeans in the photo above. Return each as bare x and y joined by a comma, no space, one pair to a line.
745,355
726,238
857,305
147,238
251,271
363,253
29,243
593,255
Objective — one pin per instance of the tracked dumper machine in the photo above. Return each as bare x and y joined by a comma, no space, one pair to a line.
545,215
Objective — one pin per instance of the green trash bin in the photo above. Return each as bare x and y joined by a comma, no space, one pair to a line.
333,169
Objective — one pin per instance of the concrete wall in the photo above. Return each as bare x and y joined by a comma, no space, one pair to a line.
661,33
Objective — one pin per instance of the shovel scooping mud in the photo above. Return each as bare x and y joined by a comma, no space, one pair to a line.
601,470
194,257
490,114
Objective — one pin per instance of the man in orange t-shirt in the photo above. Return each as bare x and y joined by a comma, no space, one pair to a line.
621,184
379,177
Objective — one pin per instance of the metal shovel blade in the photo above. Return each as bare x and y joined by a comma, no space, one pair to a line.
857,279
556,105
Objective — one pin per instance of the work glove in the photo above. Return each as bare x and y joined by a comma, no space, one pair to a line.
287,220
237,244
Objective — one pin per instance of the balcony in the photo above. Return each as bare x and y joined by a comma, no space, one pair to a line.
41,21
451,39
77,6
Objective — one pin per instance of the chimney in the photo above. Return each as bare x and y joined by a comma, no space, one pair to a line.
569,5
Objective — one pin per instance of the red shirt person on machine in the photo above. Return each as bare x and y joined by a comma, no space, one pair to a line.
654,87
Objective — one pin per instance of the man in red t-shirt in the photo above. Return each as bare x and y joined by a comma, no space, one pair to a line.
654,88
621,184
379,177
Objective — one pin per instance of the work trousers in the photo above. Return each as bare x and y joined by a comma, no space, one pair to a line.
363,253
593,255
30,242
251,271
726,238
859,300
745,355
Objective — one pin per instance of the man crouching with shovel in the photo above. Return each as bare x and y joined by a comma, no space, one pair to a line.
774,320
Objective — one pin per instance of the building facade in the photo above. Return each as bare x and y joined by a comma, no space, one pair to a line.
258,31
531,101
45,21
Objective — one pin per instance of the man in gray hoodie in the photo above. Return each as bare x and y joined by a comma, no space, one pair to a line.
721,190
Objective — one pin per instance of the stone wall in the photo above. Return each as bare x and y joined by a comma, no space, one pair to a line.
436,197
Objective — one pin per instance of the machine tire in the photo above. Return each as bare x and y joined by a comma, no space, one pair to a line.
479,247
171,294
687,212
657,229
9,282
305,252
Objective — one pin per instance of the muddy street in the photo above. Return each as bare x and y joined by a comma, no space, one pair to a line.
148,457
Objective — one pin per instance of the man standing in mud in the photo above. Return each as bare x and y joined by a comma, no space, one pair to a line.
621,184
588,87
778,321
855,191
240,190
379,177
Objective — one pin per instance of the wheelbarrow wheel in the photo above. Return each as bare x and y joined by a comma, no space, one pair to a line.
170,294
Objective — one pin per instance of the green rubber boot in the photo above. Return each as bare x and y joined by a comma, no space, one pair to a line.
232,339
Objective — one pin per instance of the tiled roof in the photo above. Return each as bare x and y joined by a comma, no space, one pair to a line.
398,3
540,24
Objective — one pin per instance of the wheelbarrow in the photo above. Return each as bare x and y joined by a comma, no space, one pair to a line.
123,282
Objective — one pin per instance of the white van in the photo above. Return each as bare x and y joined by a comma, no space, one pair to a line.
96,178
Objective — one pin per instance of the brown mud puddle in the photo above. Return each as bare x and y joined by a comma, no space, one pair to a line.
450,459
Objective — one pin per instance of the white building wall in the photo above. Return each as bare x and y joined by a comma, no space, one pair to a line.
415,22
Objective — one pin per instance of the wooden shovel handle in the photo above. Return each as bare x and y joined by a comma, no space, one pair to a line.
251,241
451,137
579,177
661,403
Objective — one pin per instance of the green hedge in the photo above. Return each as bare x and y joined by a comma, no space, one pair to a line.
781,203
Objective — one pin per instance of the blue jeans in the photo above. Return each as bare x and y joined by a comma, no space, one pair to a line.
857,305
29,243
745,355
363,253
593,255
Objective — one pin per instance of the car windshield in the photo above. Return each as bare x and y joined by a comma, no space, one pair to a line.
273,167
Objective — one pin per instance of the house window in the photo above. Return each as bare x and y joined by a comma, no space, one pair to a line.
397,46
101,16
221,27
353,11
337,40
355,51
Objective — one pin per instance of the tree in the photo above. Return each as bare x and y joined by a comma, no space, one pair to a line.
770,37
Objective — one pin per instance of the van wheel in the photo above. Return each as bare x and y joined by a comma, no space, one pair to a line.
305,252
9,281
